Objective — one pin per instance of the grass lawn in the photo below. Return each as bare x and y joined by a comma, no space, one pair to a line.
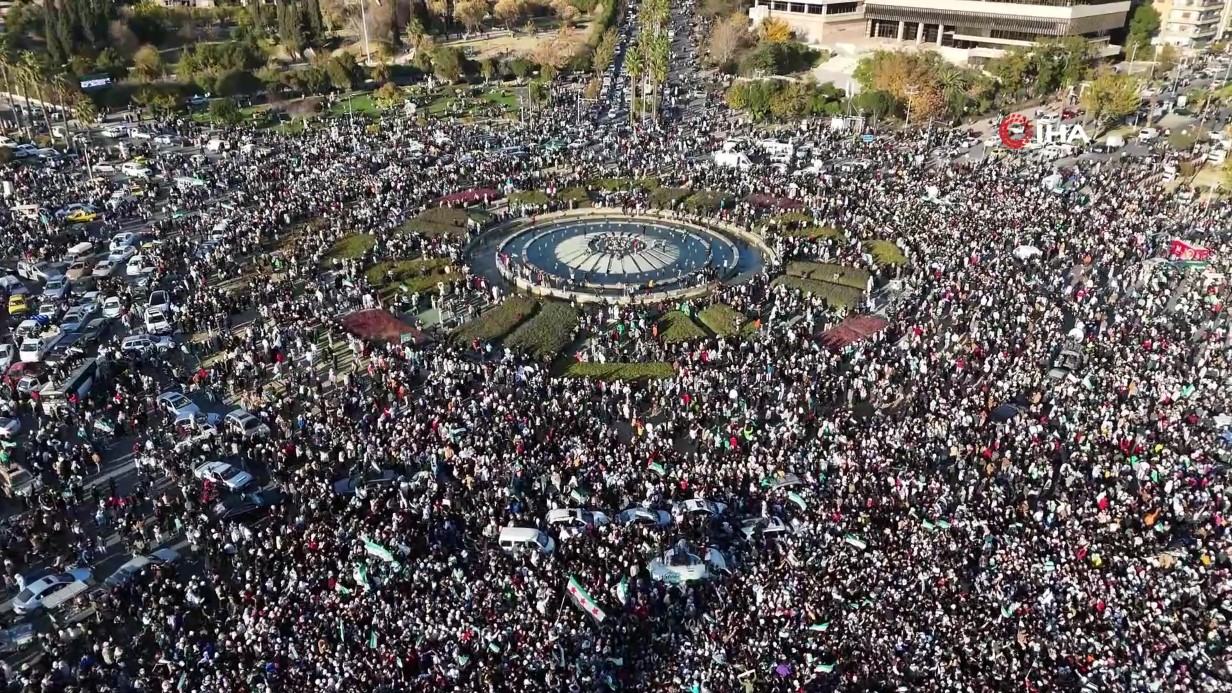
528,197
359,104
502,96
352,246
664,197
578,195
838,296
886,253
676,327
707,200
619,371
547,333
413,275
814,232
853,277
443,221
722,319
498,322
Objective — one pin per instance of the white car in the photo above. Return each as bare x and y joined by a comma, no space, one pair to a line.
22,151
135,170
768,527
195,427
223,473
36,271
112,132
122,256
573,522
8,353
112,306
9,427
32,597
103,268
105,167
8,142
139,134
166,140
125,573
176,404
159,299
157,322
680,564
1147,134
33,349
120,241
138,265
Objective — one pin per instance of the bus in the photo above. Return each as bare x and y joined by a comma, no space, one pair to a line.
55,395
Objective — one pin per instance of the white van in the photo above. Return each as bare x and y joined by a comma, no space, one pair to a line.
215,145
79,251
526,540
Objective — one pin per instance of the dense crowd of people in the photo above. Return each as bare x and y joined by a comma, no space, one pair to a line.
937,507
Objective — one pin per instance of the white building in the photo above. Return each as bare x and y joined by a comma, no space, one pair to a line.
1189,23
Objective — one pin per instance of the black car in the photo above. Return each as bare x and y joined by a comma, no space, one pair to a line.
239,510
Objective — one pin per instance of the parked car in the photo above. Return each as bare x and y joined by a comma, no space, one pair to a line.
243,422
572,522
176,403
133,567
36,593
57,288
682,564
77,269
142,344
223,473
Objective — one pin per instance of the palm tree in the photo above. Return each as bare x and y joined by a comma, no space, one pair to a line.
954,85
634,65
33,73
656,69
62,92
8,72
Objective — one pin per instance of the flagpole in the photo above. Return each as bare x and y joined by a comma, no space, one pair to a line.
560,610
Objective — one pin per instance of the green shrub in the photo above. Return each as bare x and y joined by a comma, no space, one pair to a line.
707,201
578,195
676,327
666,197
498,322
814,232
546,334
443,221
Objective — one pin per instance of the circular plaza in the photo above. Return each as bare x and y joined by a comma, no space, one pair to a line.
597,256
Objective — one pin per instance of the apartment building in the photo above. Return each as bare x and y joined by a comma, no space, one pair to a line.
1190,23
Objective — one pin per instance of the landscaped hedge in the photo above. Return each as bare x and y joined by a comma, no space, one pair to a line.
498,322
814,232
675,327
853,277
620,371
705,201
546,334
886,253
578,195
838,296
722,319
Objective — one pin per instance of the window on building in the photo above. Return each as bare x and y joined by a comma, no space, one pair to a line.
843,8
1011,35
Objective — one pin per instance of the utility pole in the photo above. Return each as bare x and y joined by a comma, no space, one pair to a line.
363,19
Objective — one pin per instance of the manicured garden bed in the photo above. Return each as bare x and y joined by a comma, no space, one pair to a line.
853,277
547,333
352,246
619,371
722,319
411,275
836,295
498,322
886,253
676,327
443,221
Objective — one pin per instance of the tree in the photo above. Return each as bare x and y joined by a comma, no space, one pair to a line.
389,95
1110,97
148,64
1142,26
1167,57
236,82
488,68
565,11
447,64
470,13
226,111
605,51
290,30
729,36
342,71
775,30
380,71
312,15
510,11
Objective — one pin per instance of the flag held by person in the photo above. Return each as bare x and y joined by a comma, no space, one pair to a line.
584,601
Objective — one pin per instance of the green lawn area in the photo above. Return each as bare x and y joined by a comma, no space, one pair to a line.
853,277
411,275
498,322
838,296
619,371
359,104
814,232
443,102
676,327
664,197
886,253
528,197
352,246
502,96
444,221
722,319
547,333
708,201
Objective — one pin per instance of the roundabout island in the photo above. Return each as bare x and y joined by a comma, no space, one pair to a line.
598,255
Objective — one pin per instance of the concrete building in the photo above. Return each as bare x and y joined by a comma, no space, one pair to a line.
962,30
1190,23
